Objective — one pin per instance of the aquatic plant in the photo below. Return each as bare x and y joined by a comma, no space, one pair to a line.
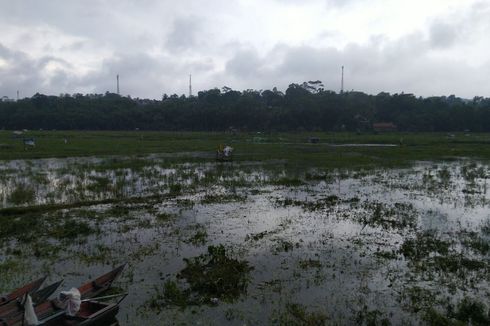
424,244
468,312
369,317
22,194
199,238
296,314
216,275
221,198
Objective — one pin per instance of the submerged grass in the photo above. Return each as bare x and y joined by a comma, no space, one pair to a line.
22,194
296,314
209,278
423,245
467,312
216,275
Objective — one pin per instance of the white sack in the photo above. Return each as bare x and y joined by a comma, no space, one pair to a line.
70,301
29,313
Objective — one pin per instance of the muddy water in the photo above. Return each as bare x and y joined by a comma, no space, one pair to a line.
333,244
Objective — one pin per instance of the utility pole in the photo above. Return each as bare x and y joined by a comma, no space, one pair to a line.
342,82
117,80
17,95
190,85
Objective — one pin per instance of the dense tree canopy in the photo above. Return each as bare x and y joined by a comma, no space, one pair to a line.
305,106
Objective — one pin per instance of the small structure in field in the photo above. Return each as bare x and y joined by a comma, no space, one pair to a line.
29,143
384,127
224,153
233,131
313,140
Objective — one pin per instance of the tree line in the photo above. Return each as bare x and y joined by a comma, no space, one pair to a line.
305,106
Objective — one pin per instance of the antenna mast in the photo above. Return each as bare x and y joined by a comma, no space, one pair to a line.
342,82
117,79
17,95
190,85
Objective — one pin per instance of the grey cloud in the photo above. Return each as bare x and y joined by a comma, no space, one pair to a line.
20,72
184,34
442,35
244,64
141,74
341,3
403,65
462,27
328,3
154,45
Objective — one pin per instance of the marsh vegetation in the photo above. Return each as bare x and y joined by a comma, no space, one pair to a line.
258,242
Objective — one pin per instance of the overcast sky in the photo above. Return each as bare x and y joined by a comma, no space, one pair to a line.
426,47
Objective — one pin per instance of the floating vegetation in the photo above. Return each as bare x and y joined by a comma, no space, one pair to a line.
371,317
396,216
454,264
209,278
423,245
467,312
175,189
386,254
298,315
257,236
288,182
478,244
216,275
284,246
199,238
22,194
486,227
313,205
165,217
217,199
310,263
69,229
172,295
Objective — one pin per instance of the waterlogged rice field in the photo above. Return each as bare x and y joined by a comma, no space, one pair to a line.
255,243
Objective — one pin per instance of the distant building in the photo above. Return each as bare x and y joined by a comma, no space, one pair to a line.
384,127
6,99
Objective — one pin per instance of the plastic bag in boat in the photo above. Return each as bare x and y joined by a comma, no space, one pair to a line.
29,313
70,301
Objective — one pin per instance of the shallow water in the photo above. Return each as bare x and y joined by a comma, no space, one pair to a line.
352,226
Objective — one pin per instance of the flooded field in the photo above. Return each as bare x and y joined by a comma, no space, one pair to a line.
255,243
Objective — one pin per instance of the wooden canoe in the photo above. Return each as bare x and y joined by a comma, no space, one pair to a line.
90,313
37,297
20,292
49,308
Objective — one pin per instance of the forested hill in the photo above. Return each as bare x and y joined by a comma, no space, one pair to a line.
301,107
